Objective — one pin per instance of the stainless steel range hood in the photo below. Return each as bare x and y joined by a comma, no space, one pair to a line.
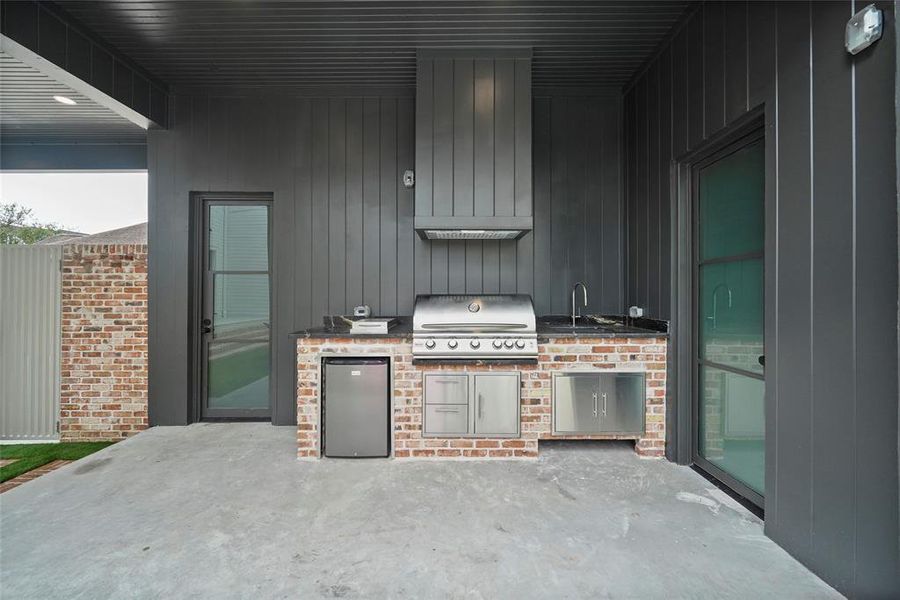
472,228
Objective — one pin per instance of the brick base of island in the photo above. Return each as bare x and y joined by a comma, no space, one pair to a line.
646,354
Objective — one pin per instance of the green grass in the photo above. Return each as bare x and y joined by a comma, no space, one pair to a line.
32,456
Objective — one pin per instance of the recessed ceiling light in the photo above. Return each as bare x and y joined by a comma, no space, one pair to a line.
65,100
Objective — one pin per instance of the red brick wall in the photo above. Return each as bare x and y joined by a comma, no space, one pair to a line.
104,342
566,354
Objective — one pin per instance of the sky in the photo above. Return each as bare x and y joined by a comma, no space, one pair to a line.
88,202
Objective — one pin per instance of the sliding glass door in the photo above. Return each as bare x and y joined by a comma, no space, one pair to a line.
729,388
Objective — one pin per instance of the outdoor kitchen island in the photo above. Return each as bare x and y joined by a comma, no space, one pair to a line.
561,351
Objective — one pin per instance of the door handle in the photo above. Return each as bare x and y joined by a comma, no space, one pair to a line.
595,403
761,360
206,326
480,407
604,405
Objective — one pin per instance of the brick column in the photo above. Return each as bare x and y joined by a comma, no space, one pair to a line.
104,342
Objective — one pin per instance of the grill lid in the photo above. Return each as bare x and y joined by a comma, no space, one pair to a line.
512,313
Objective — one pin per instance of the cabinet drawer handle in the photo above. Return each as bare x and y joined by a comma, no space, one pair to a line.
480,407
447,410
453,381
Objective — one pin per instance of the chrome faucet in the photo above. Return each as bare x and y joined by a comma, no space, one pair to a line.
575,313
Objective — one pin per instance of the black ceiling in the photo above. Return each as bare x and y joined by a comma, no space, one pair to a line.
576,43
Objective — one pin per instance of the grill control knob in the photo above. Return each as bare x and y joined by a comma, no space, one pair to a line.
498,344
475,343
508,343
452,344
429,344
520,344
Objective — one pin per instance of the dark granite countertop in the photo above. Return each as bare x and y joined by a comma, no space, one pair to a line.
560,326
339,329
548,327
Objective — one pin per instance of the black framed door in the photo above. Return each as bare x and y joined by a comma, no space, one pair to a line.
235,309
728,190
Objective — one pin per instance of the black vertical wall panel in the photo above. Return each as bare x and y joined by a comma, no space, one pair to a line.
831,257
424,136
734,30
833,365
652,220
390,180
371,226
794,477
320,226
695,86
406,237
522,121
876,263
612,294
664,153
337,205
484,136
640,264
463,137
504,137
442,138
576,184
353,180
301,172
543,214
713,67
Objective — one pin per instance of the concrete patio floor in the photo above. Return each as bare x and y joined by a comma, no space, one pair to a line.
224,510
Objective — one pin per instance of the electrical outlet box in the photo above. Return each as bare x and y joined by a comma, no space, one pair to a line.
635,312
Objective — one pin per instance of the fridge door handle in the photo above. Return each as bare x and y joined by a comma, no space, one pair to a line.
604,405
595,403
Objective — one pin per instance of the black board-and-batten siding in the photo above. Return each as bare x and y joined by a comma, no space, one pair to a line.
831,257
343,222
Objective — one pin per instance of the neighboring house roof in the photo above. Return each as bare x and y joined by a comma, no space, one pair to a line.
61,238
133,234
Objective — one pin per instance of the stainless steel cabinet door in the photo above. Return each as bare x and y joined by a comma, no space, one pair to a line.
622,398
497,404
576,398
446,389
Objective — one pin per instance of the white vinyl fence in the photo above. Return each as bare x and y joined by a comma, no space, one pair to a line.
29,342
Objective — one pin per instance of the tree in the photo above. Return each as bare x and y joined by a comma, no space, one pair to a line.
18,226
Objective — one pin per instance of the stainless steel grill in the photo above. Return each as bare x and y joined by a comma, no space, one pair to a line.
474,327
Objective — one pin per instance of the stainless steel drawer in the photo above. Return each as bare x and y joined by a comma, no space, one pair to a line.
446,389
445,419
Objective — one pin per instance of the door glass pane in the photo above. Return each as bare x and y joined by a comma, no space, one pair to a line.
731,313
732,424
238,375
241,307
238,237
731,204
237,309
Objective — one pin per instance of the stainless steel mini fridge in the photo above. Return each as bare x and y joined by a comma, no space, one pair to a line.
356,408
